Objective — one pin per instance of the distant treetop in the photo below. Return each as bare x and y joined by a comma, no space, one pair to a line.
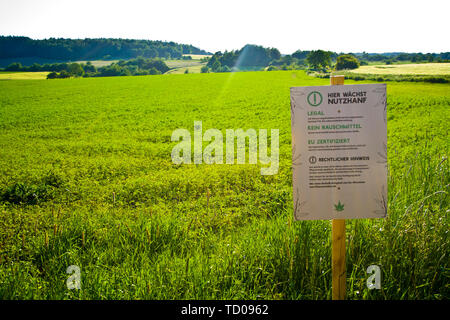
92,49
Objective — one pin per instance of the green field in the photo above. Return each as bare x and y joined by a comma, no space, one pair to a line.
406,69
86,179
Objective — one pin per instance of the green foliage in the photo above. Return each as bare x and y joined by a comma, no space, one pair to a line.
133,67
52,75
154,71
89,68
346,61
215,66
75,69
204,69
363,63
249,56
319,59
96,152
15,66
64,74
301,55
92,49
32,194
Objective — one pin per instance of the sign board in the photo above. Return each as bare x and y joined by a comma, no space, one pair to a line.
339,151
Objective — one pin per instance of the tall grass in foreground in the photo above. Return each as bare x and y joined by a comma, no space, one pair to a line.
146,254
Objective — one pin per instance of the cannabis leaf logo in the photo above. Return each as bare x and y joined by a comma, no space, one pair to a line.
339,207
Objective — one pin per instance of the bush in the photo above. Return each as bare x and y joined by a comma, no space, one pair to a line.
346,61
154,71
75,69
64,74
216,66
31,194
224,69
52,75
89,67
204,69
15,66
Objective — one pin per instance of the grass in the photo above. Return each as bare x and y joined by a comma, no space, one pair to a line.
86,179
9,75
180,66
406,69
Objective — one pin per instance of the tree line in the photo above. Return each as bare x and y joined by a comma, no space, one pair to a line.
132,67
251,56
137,56
92,49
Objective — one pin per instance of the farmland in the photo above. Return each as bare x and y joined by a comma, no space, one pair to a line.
407,69
180,66
86,179
5,75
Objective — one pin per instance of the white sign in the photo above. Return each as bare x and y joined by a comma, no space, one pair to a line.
339,151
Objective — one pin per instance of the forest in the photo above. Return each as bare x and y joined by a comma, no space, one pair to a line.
91,49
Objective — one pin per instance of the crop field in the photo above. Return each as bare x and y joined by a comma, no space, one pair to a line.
190,69
98,63
9,75
180,66
198,56
406,69
86,179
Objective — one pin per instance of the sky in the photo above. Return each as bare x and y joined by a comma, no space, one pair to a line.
340,26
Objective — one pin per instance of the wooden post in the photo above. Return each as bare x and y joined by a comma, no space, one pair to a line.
338,241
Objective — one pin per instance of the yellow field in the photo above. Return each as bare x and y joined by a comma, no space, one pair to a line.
180,66
407,69
197,56
192,69
23,75
98,63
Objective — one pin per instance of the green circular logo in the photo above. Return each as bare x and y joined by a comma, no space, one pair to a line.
314,98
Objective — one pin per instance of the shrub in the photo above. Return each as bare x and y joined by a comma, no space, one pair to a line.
154,71
346,61
75,69
52,75
224,69
64,74
15,66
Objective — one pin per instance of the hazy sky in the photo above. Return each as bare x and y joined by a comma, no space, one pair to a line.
341,26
